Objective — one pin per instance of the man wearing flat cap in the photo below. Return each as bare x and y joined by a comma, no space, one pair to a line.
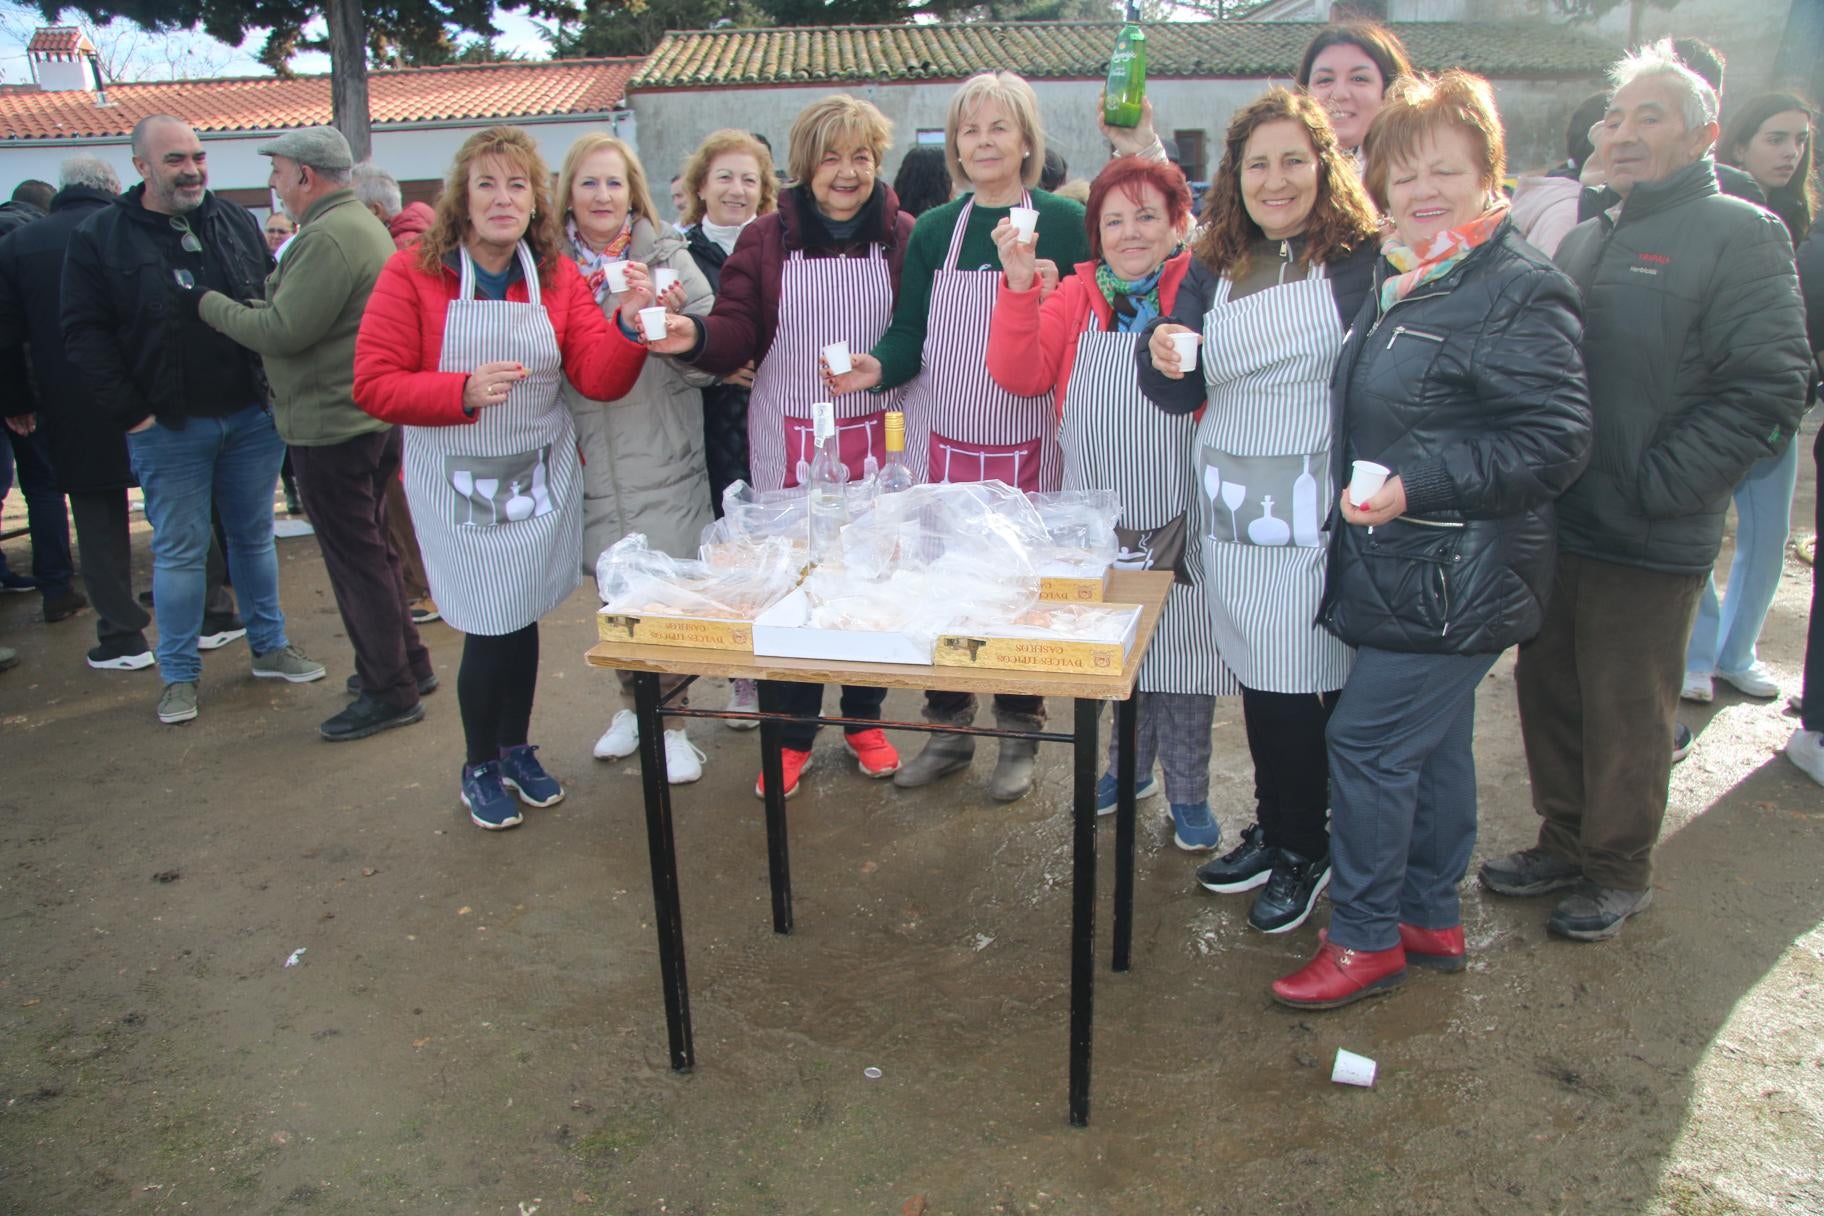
344,458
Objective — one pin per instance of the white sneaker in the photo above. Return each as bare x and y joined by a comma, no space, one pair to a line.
743,698
1699,688
622,738
683,759
1755,681
1806,749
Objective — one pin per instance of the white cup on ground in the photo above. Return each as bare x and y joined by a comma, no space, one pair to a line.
1185,344
1025,222
652,323
617,277
1365,481
836,354
662,279
1352,1069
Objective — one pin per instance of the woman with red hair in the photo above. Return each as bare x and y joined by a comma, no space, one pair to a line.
1078,345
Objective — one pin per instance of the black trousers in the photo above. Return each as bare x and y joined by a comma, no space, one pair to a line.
1812,695
784,697
1291,767
494,690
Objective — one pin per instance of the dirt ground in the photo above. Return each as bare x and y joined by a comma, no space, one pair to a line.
473,1023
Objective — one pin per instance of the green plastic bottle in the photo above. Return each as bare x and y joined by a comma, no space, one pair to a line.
1126,74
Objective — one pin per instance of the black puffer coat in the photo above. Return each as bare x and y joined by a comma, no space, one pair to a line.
1472,390
724,405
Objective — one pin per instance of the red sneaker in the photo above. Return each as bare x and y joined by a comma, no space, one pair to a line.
1439,949
877,757
792,765
1336,976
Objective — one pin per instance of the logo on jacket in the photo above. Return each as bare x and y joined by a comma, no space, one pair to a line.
1654,262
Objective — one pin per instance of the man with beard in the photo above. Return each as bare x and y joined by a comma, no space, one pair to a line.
192,401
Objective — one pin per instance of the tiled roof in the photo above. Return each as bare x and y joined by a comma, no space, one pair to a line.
60,40
1079,49
504,91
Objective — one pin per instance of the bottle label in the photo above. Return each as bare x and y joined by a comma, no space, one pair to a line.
823,420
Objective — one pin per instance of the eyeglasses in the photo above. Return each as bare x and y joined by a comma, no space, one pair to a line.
191,242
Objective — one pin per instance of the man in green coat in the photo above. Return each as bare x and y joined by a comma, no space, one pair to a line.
344,458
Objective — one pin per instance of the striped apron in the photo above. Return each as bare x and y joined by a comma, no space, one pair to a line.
1114,438
498,504
821,300
1262,463
960,424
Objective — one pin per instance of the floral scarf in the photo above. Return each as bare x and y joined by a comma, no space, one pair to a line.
1441,256
1135,303
595,265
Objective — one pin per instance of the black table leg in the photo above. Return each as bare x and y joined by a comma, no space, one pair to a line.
663,852
1083,910
1127,715
778,858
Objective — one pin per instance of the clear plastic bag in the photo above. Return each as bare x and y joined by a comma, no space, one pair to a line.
636,579
1080,531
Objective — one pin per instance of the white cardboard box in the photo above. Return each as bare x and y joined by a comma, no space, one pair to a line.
781,632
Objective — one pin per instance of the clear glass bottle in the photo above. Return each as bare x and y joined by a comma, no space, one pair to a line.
895,475
829,509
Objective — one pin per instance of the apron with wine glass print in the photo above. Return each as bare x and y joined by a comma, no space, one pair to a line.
1262,462
1113,438
497,503
821,300
960,425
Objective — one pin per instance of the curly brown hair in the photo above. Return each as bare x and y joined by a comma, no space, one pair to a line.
451,228
1341,219
722,143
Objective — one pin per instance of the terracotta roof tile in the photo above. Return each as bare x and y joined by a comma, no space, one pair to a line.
1079,49
58,40
504,91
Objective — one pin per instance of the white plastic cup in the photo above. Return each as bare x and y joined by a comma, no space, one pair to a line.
1186,345
617,277
662,279
1025,222
1351,1069
652,323
1365,481
836,354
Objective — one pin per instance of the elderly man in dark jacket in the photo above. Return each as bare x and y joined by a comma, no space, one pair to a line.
192,402
1695,343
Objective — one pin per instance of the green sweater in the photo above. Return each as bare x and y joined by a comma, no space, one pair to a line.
1062,238
305,328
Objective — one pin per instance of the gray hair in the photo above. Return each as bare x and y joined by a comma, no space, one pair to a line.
1697,100
90,171
375,187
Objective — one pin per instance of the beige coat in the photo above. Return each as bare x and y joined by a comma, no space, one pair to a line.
643,463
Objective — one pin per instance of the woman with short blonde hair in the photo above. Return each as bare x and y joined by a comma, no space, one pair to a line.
729,143
1017,100
834,122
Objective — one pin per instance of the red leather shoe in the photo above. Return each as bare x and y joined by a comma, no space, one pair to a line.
1439,949
1337,976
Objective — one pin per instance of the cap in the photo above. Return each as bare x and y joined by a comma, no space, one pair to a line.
318,147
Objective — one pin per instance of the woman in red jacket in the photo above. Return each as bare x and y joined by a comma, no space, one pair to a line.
464,342
1079,345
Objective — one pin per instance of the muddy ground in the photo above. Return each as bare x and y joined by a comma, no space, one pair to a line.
474,1022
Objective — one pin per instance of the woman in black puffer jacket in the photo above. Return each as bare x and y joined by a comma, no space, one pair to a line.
1462,375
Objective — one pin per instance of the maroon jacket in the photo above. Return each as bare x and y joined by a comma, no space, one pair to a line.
746,315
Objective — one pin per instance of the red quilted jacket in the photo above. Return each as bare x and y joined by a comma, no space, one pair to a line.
401,339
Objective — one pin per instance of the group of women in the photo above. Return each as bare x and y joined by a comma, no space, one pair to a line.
1355,291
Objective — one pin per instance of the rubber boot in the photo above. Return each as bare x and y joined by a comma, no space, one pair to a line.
942,754
1014,768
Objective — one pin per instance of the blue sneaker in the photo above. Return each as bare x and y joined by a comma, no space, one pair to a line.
486,799
1195,830
1145,788
521,772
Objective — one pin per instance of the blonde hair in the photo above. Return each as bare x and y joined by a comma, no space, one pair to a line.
834,120
1013,95
726,142
1417,107
451,228
639,194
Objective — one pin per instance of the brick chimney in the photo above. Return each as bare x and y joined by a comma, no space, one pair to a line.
63,60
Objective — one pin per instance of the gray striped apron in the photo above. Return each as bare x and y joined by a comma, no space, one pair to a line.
498,504
821,300
960,424
1262,462
1114,438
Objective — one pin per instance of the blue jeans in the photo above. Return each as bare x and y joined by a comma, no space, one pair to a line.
46,515
233,461
1724,635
